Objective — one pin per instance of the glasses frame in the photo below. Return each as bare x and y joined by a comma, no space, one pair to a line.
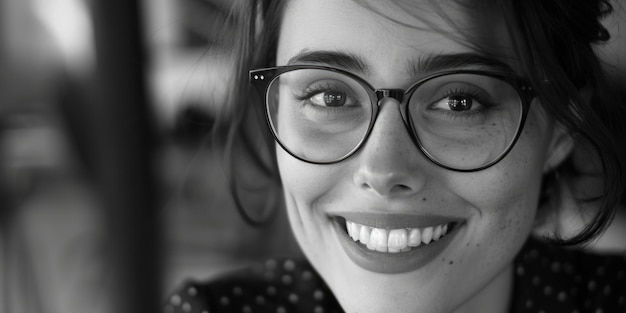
264,77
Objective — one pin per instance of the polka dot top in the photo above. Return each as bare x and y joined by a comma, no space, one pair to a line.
547,279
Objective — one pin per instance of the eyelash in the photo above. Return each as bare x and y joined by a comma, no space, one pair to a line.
474,94
312,91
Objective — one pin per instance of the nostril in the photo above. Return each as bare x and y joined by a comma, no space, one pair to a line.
366,186
400,188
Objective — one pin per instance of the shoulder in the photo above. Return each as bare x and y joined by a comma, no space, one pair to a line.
275,285
555,279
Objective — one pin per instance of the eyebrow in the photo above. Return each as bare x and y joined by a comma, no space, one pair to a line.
415,68
344,60
439,62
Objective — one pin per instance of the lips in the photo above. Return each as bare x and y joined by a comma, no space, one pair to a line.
394,243
395,240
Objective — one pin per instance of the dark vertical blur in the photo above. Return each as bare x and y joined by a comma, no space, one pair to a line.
124,154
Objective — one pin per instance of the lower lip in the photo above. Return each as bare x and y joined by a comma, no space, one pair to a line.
393,263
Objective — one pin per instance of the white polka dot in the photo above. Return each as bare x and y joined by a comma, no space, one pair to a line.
280,309
599,310
237,291
224,300
293,298
260,300
534,253
520,270
168,309
555,267
289,265
205,311
186,307
318,295
270,264
286,279
562,296
621,300
591,286
176,300
246,309
192,291
547,290
600,271
307,275
607,290
536,280
319,309
542,311
271,290
529,304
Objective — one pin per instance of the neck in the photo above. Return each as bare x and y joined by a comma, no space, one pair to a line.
494,298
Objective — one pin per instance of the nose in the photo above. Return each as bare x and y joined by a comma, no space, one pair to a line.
389,163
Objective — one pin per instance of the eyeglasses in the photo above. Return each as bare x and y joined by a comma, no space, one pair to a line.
462,120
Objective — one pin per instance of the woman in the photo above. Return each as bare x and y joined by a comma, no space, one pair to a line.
416,142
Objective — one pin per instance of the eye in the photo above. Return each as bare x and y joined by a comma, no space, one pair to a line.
459,103
333,98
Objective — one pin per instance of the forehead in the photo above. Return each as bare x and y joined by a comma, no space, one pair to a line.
386,34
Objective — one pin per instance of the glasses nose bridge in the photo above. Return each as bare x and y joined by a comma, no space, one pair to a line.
397,94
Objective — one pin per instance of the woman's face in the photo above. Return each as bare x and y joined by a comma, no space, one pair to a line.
389,184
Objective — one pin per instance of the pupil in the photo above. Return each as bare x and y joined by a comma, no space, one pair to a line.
334,98
459,103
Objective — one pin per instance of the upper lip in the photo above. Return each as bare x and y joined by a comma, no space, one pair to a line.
396,220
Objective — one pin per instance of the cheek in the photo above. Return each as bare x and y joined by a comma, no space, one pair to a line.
505,196
303,181
304,185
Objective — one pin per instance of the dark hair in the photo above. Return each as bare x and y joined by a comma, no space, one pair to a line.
554,45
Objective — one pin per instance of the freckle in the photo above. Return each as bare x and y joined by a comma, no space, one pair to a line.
424,199
467,244
451,262
478,245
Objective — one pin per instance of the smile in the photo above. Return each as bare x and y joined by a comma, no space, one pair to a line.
395,240
395,243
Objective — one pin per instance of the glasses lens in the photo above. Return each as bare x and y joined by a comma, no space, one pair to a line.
318,115
465,121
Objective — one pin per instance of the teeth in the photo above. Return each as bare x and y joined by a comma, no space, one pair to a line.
437,233
398,240
364,234
415,238
427,235
353,230
378,239
395,240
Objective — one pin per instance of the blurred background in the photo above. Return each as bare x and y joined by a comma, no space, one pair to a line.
109,181
77,158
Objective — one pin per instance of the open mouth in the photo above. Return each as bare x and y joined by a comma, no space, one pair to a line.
395,243
395,240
